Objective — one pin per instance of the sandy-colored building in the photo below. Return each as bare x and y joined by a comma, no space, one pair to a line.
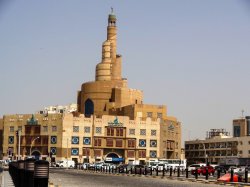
112,122
220,147
110,138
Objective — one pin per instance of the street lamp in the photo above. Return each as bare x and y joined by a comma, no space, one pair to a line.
32,143
206,159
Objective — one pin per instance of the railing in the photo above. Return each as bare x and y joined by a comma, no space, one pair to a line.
162,172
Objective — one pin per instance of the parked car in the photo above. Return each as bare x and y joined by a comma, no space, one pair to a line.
123,168
136,169
203,170
221,168
195,166
91,166
65,164
85,166
98,165
5,162
106,166
160,167
113,166
235,169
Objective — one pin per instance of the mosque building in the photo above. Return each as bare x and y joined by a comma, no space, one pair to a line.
111,122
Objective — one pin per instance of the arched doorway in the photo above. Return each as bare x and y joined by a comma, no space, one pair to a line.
89,108
36,154
113,158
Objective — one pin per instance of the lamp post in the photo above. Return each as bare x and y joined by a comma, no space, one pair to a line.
19,142
67,152
205,156
32,143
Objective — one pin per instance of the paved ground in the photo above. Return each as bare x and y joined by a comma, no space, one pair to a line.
6,180
77,178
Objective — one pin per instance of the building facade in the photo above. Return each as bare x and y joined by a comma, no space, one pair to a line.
111,122
221,148
90,139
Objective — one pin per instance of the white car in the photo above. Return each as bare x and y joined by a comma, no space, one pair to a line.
236,169
85,166
66,164
159,166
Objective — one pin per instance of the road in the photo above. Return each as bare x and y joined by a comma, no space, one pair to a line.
77,178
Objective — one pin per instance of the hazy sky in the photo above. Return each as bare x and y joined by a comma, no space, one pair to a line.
193,56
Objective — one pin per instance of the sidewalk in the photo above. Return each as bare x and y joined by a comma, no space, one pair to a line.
5,179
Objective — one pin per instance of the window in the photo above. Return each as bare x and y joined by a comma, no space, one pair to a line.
45,128
236,131
153,143
75,140
142,154
118,143
131,131
27,130
11,139
74,151
53,139
86,140
248,151
98,142
153,154
109,142
20,128
75,128
240,152
87,129
53,150
153,132
44,140
110,131
97,152
131,154
85,152
11,128
143,132
131,143
98,130
149,114
159,115
119,131
142,143
54,128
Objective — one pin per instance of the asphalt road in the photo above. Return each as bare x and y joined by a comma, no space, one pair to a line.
77,178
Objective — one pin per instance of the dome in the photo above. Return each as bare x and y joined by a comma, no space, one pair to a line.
112,17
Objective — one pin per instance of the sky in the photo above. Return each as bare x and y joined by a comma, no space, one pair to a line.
193,56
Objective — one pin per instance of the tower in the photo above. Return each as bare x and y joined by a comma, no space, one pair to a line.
110,66
109,90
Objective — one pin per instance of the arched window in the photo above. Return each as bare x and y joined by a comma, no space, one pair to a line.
89,108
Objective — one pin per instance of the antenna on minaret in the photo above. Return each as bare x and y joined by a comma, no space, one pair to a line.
112,10
242,113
